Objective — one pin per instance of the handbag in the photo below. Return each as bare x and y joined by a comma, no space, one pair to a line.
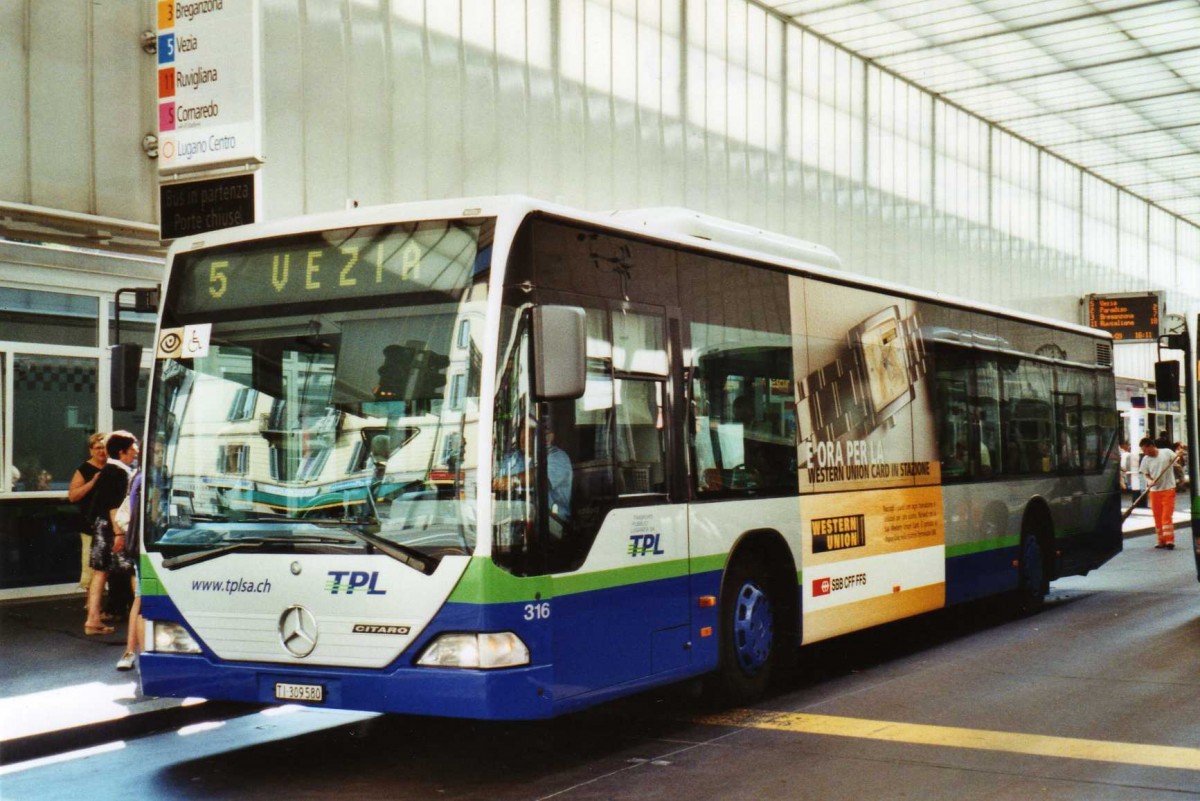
121,516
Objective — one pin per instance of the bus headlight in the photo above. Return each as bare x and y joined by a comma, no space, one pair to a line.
172,638
486,650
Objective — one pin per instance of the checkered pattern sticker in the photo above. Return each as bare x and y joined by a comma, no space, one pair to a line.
59,375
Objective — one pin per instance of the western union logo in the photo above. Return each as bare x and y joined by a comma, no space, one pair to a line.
838,533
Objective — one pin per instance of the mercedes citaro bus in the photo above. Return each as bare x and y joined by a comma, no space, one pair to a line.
497,458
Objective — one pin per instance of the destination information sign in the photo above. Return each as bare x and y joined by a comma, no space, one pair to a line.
350,263
1128,317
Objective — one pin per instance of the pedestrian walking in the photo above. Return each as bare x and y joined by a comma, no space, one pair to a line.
129,522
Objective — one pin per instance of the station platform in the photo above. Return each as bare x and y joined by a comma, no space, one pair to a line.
55,681
60,689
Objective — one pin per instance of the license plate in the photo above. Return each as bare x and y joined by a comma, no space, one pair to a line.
299,692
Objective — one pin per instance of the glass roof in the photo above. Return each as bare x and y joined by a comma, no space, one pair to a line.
1110,85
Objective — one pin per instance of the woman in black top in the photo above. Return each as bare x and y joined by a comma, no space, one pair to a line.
80,493
108,547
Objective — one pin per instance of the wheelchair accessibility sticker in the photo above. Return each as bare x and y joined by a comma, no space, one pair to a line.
189,342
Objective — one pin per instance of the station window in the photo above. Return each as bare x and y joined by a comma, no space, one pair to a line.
136,327
54,411
49,318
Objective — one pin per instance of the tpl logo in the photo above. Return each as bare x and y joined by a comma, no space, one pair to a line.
822,586
358,580
644,545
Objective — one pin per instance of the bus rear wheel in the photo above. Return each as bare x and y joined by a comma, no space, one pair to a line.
1032,584
748,641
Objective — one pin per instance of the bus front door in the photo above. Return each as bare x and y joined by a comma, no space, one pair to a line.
621,610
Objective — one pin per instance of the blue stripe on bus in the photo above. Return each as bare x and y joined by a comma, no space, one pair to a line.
613,641
978,575
630,652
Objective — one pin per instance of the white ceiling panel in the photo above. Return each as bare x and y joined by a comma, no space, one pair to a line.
1110,85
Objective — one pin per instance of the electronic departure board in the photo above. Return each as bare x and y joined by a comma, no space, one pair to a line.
1128,317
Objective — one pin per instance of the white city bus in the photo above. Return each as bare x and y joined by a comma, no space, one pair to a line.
502,459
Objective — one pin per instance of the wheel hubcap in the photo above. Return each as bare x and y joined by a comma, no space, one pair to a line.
753,628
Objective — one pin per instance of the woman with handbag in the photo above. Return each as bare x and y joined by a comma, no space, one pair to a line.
79,492
108,547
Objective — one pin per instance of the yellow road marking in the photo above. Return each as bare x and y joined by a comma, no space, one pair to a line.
1159,756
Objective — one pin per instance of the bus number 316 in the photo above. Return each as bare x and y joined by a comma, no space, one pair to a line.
537,611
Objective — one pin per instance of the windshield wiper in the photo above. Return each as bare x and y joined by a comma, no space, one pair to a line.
246,544
401,553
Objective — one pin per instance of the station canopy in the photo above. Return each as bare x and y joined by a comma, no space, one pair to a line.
1111,86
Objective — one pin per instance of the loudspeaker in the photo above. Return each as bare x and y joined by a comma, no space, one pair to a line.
126,362
1166,381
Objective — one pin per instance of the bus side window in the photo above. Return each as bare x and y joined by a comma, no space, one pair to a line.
640,443
958,445
740,349
615,435
1028,418
744,430
985,417
1071,386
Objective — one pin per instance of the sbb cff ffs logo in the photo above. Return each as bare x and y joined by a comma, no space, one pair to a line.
824,586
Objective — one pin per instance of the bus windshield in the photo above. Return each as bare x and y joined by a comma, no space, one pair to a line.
318,416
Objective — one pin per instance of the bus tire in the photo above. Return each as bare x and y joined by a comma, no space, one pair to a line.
1032,581
748,631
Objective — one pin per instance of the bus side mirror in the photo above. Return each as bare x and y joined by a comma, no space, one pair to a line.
1166,381
559,352
123,380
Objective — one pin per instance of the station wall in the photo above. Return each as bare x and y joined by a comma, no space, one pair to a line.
715,105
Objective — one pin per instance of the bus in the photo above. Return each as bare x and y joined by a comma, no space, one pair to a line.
1185,338
1180,421
501,459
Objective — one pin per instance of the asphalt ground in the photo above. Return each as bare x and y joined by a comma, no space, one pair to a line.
60,690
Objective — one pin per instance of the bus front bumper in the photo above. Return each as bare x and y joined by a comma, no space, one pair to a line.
509,694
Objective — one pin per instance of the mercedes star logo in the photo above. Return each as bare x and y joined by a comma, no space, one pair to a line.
298,631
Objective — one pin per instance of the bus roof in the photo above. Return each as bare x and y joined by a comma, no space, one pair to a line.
682,226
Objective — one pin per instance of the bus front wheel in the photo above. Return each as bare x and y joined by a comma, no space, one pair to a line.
747,631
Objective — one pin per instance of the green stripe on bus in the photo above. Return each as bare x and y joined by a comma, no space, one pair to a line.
148,576
484,582
708,564
967,548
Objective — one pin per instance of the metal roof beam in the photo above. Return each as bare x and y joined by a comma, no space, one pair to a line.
1095,106
1077,69
1025,28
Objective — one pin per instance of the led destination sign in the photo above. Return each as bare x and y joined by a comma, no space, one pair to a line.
1129,318
332,265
